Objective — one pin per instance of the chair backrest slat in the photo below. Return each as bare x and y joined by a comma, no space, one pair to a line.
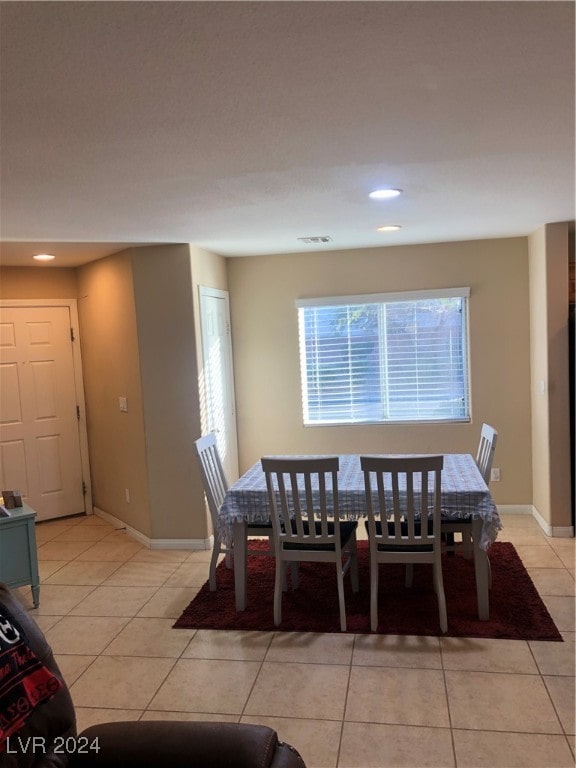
212,471
301,493
404,501
486,450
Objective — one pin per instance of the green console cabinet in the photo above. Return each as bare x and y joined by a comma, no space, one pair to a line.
18,552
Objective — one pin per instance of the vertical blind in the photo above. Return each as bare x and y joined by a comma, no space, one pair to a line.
386,357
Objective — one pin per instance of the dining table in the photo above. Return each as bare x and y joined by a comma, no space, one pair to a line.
465,496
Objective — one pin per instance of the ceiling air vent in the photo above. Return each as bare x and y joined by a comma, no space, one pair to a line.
317,240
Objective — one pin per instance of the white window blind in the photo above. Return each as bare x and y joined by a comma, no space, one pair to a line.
385,357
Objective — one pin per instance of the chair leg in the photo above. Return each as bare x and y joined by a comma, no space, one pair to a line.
295,574
409,578
216,551
278,581
467,546
341,603
439,589
228,559
373,594
354,565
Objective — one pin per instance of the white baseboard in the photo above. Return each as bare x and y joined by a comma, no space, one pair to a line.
555,531
192,544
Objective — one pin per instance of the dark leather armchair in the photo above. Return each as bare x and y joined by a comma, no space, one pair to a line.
48,738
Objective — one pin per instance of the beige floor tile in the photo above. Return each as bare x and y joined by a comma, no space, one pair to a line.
552,581
316,691
479,749
138,574
87,716
47,531
397,651
73,665
397,696
523,536
394,746
89,533
482,655
155,714
47,567
240,645
84,634
561,690
169,602
94,520
116,550
46,622
160,556
114,601
311,648
555,658
203,685
189,574
567,557
56,599
62,550
150,637
201,556
316,740
563,544
84,573
120,682
539,556
500,702
562,611
510,520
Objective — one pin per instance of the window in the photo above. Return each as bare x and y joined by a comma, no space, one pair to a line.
385,358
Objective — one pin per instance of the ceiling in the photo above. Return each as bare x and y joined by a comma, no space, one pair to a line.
241,127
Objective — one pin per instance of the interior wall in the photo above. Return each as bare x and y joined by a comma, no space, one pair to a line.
117,440
548,263
38,283
163,292
263,291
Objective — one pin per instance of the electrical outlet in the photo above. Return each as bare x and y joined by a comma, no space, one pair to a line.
123,403
127,495
495,474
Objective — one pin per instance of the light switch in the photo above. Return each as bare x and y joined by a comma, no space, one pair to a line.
123,402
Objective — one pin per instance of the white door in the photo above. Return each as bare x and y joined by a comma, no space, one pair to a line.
40,452
219,406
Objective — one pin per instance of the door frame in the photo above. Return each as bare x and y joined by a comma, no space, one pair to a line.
217,293
72,306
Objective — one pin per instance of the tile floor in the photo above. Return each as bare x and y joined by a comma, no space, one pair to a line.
108,605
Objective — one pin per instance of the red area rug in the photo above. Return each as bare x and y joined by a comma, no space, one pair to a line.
516,610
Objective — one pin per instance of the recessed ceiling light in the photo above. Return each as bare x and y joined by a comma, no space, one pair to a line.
44,257
384,194
389,228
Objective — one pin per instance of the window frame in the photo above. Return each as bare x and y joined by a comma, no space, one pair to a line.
382,298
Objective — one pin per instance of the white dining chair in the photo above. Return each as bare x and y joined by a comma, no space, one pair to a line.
215,487
484,461
403,503
303,501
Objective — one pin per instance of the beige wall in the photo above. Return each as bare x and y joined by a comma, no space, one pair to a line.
168,364
548,260
38,283
111,364
266,358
